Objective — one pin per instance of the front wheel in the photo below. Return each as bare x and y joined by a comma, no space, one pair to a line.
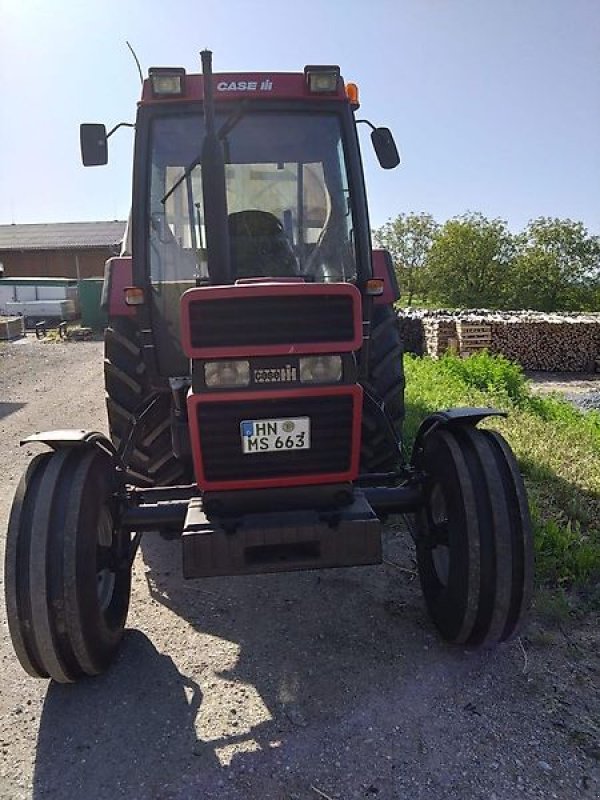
67,568
474,538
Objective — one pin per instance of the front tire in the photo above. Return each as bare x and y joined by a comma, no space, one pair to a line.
67,568
474,538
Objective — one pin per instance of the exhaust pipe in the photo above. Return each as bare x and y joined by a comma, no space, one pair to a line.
214,187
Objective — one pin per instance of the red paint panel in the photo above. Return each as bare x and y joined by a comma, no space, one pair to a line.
194,400
211,293
380,270
250,85
120,275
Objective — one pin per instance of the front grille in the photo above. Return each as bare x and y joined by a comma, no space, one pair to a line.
271,320
330,433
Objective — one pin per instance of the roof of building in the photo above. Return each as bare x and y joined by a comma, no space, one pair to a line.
61,235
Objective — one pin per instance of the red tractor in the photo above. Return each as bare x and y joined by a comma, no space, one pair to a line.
255,386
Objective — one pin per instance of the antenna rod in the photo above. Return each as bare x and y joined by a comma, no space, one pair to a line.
137,61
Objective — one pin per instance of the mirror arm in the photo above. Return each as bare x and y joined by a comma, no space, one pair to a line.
366,121
120,125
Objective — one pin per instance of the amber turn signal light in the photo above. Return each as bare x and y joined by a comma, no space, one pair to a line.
134,296
375,287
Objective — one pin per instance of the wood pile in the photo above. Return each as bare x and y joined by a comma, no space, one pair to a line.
440,336
412,333
473,336
550,343
537,341
11,328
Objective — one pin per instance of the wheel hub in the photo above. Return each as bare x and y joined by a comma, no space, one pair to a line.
440,550
105,574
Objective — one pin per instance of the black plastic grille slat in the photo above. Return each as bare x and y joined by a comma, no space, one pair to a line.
271,320
330,434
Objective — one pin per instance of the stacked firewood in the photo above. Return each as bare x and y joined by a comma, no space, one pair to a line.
537,341
551,343
440,336
412,333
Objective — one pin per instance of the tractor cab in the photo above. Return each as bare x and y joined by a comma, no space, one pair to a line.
289,166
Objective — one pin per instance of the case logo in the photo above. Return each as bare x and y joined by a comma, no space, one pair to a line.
285,374
245,86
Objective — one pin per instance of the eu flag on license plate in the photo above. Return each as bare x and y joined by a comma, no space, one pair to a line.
247,429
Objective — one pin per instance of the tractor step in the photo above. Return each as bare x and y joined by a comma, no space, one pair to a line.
280,542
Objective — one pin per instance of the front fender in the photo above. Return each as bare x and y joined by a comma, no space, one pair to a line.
448,418
70,437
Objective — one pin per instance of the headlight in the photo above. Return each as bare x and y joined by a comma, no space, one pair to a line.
322,79
320,369
226,373
167,81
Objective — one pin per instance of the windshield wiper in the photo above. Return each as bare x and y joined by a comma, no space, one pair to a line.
225,129
185,174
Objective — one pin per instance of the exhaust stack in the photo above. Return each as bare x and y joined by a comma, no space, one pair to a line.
213,187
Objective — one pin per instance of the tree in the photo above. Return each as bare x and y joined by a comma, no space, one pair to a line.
557,267
469,261
408,238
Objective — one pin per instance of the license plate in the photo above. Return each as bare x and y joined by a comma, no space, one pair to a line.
275,435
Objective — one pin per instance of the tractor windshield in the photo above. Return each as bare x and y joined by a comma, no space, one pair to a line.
287,195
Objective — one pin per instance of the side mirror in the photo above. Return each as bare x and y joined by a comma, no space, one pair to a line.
385,147
94,144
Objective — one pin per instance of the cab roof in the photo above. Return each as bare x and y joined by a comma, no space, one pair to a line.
240,85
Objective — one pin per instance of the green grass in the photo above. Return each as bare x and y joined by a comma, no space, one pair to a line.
558,449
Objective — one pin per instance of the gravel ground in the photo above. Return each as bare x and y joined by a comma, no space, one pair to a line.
292,687
580,389
585,401
571,383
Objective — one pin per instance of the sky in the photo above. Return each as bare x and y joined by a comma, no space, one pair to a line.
494,104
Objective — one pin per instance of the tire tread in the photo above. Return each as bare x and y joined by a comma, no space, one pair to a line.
152,461
489,527
386,382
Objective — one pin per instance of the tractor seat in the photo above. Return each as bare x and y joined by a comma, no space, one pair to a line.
260,247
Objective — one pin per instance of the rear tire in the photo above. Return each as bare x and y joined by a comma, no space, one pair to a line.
67,569
152,461
386,383
474,538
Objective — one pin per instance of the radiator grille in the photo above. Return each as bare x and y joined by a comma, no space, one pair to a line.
271,320
331,438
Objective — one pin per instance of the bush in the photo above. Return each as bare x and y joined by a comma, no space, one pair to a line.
495,375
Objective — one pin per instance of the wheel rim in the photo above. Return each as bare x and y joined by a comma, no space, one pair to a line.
440,553
105,574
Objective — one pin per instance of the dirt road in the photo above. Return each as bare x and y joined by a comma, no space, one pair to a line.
289,687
